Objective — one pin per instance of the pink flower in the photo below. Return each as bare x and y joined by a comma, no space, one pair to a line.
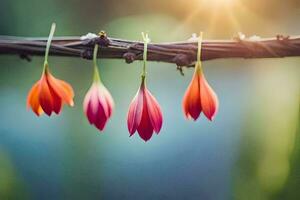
144,114
200,97
98,105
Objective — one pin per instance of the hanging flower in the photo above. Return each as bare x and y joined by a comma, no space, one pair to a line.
144,115
200,97
49,93
98,104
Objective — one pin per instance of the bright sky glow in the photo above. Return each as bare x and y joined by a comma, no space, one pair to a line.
217,2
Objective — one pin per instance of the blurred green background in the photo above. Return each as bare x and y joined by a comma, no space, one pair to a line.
251,150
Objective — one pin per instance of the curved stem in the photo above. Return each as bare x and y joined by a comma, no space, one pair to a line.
96,71
48,45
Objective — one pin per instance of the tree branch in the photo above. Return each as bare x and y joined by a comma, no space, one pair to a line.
180,53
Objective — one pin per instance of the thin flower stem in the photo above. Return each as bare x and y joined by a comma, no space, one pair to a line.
96,71
198,65
146,41
48,45
199,46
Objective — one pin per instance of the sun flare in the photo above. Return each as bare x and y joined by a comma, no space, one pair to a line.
218,2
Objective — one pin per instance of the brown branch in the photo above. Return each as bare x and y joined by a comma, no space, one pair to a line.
180,53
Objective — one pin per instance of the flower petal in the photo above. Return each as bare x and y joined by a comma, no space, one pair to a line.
62,88
154,111
135,112
209,99
57,101
86,100
109,100
191,101
45,96
145,128
90,114
92,108
101,118
103,107
102,100
33,99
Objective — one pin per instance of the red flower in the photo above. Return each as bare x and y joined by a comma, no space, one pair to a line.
144,114
49,94
98,105
200,97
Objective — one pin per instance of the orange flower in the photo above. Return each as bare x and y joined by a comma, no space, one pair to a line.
48,94
200,97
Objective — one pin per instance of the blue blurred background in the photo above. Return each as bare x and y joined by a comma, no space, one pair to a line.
250,151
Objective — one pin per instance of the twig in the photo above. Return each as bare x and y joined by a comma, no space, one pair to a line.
180,53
